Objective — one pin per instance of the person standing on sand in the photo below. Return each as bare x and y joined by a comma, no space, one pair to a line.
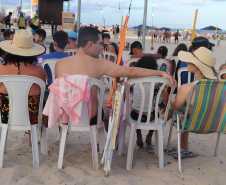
176,35
168,36
87,62
159,35
218,40
138,34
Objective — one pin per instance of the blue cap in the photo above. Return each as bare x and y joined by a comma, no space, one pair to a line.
72,34
36,15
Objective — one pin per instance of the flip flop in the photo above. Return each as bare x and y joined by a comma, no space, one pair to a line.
186,154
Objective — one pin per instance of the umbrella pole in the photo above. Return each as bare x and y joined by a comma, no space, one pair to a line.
144,24
193,32
78,16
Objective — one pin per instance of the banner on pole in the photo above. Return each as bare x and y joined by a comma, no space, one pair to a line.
68,21
34,7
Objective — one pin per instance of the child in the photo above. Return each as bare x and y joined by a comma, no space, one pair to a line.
162,50
40,36
8,35
147,62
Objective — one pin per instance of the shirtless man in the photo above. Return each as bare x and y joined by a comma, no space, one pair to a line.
136,51
87,62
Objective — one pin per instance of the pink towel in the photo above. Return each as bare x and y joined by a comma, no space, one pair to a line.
67,95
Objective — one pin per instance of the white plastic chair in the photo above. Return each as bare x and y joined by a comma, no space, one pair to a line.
222,72
179,72
161,61
128,64
84,125
18,87
156,124
52,64
70,52
131,61
107,56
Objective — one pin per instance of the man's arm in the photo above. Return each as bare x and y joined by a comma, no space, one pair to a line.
113,70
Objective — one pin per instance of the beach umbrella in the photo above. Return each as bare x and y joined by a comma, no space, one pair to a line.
140,26
211,28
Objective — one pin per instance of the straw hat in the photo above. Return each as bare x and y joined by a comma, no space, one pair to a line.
22,45
203,58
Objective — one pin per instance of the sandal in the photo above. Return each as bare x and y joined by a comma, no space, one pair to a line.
186,154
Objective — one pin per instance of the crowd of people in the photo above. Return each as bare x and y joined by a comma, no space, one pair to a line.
17,60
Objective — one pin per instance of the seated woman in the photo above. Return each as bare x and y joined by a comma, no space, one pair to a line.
21,60
147,62
201,63
109,46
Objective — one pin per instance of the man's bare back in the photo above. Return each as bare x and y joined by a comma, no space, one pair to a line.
86,62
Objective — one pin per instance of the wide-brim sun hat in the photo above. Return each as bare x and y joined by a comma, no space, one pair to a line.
203,58
22,45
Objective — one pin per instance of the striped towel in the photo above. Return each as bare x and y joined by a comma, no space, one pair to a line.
209,110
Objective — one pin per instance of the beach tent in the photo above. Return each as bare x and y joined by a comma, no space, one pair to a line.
164,28
140,26
210,28
152,27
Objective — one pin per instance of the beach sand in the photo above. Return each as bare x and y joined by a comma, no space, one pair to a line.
77,165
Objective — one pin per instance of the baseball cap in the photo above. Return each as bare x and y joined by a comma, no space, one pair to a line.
201,41
135,44
72,34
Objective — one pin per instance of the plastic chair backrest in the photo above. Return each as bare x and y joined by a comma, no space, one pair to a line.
152,81
222,72
131,61
161,61
18,87
70,52
84,120
52,64
108,55
183,69
208,112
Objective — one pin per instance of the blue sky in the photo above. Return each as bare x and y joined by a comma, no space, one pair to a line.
168,13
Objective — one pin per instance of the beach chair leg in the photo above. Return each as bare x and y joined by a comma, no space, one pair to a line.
43,140
2,142
170,136
93,135
156,144
102,139
110,83
122,139
217,144
160,147
132,136
179,148
63,135
6,141
34,141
